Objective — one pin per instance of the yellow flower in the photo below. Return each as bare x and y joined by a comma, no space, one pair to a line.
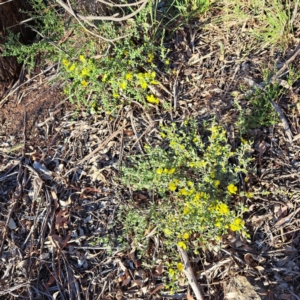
84,83
172,186
143,84
223,209
150,57
237,224
84,72
163,135
159,171
217,183
140,76
171,272
104,78
190,183
65,62
123,85
72,68
232,189
180,267
168,231
186,210
218,224
167,62
152,99
81,57
169,171
186,236
182,245
184,192
128,76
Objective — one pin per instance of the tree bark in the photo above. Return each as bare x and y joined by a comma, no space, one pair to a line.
10,16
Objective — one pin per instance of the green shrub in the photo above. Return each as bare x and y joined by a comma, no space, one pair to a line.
192,184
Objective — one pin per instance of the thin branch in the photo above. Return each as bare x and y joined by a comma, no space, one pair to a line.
114,19
121,5
190,275
6,2
294,13
70,10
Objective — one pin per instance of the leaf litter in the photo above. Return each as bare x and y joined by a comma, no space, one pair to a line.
60,197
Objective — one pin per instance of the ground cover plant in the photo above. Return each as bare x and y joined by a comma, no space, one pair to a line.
171,175
192,185
270,22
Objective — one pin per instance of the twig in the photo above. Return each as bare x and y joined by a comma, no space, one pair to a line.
190,275
16,86
294,13
102,144
70,10
6,2
114,19
121,5
134,130
286,64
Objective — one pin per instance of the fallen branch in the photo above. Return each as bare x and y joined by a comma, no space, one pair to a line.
190,275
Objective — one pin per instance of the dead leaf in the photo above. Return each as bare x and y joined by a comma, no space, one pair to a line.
159,269
126,280
96,174
61,219
261,148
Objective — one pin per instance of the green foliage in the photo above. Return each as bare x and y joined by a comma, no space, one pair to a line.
49,28
191,8
120,77
192,184
258,111
268,21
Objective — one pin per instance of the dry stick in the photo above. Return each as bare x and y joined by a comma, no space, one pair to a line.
190,275
103,144
6,2
121,5
103,18
286,64
294,13
16,86
135,132
71,12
